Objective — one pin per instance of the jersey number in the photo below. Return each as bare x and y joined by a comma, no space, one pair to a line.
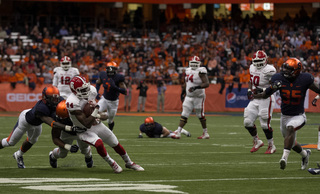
107,86
65,80
69,105
293,97
189,78
255,80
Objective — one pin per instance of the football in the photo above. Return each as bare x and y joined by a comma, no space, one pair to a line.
88,109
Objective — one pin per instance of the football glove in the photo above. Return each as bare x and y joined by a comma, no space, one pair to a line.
140,136
314,102
74,148
249,94
276,85
78,129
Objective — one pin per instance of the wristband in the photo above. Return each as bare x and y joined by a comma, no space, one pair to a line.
52,124
197,87
67,128
317,97
95,113
249,90
67,146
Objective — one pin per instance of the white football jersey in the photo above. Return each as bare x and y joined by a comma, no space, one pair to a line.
62,78
193,79
74,103
261,77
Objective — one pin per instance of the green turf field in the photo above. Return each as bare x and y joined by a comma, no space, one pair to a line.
221,164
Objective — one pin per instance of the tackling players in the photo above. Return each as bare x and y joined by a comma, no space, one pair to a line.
293,85
196,80
113,84
260,76
63,75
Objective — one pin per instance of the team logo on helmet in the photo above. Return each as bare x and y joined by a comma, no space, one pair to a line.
194,62
259,59
51,96
80,87
65,63
291,68
112,67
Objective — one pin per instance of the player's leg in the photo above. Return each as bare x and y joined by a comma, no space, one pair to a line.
112,108
250,115
187,108
60,152
85,149
139,103
265,113
143,103
102,104
318,147
93,139
199,109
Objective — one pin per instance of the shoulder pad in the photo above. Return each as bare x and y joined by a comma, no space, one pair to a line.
202,70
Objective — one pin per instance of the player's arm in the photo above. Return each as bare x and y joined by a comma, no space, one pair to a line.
49,121
204,84
165,132
98,84
122,88
267,92
183,91
55,80
249,92
314,87
86,121
141,131
55,134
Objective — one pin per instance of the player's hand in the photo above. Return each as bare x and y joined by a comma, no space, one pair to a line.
276,85
74,148
140,136
97,106
314,102
192,89
250,95
259,90
78,129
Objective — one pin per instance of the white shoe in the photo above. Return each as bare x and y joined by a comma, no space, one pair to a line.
19,160
271,149
186,133
318,147
134,166
116,168
256,145
204,136
283,163
177,135
305,160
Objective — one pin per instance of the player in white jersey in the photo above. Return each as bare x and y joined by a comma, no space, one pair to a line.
63,75
196,81
260,76
97,133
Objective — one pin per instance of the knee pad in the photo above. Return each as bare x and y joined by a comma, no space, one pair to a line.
202,119
251,129
247,123
184,119
268,133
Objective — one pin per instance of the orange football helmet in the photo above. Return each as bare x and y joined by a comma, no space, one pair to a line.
149,122
50,96
112,67
291,68
61,110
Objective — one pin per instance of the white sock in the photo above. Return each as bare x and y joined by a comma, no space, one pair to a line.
179,129
255,138
303,153
108,159
285,154
126,158
183,131
270,141
205,130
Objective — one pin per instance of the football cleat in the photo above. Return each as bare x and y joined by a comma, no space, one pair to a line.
314,171
204,136
53,162
186,133
177,135
318,147
19,160
305,160
256,145
283,163
134,166
116,168
89,162
271,149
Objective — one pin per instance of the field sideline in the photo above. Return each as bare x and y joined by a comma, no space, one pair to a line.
221,164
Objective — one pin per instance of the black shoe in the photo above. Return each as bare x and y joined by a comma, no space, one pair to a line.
53,162
89,162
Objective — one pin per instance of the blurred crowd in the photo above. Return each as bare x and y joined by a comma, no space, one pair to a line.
225,47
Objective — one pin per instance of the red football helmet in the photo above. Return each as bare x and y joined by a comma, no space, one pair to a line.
111,68
61,110
50,96
195,62
65,63
291,68
80,87
149,122
259,59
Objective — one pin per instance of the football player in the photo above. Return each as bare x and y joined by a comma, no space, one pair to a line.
113,84
196,80
64,139
30,122
97,132
63,75
155,130
260,76
293,86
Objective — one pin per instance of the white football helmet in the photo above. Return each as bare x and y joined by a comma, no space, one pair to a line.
65,63
80,87
194,63
259,59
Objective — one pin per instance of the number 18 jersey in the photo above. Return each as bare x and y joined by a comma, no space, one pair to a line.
193,79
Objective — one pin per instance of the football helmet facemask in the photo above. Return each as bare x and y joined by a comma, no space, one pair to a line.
259,59
194,63
291,68
61,110
112,68
149,123
51,96
65,63
80,87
